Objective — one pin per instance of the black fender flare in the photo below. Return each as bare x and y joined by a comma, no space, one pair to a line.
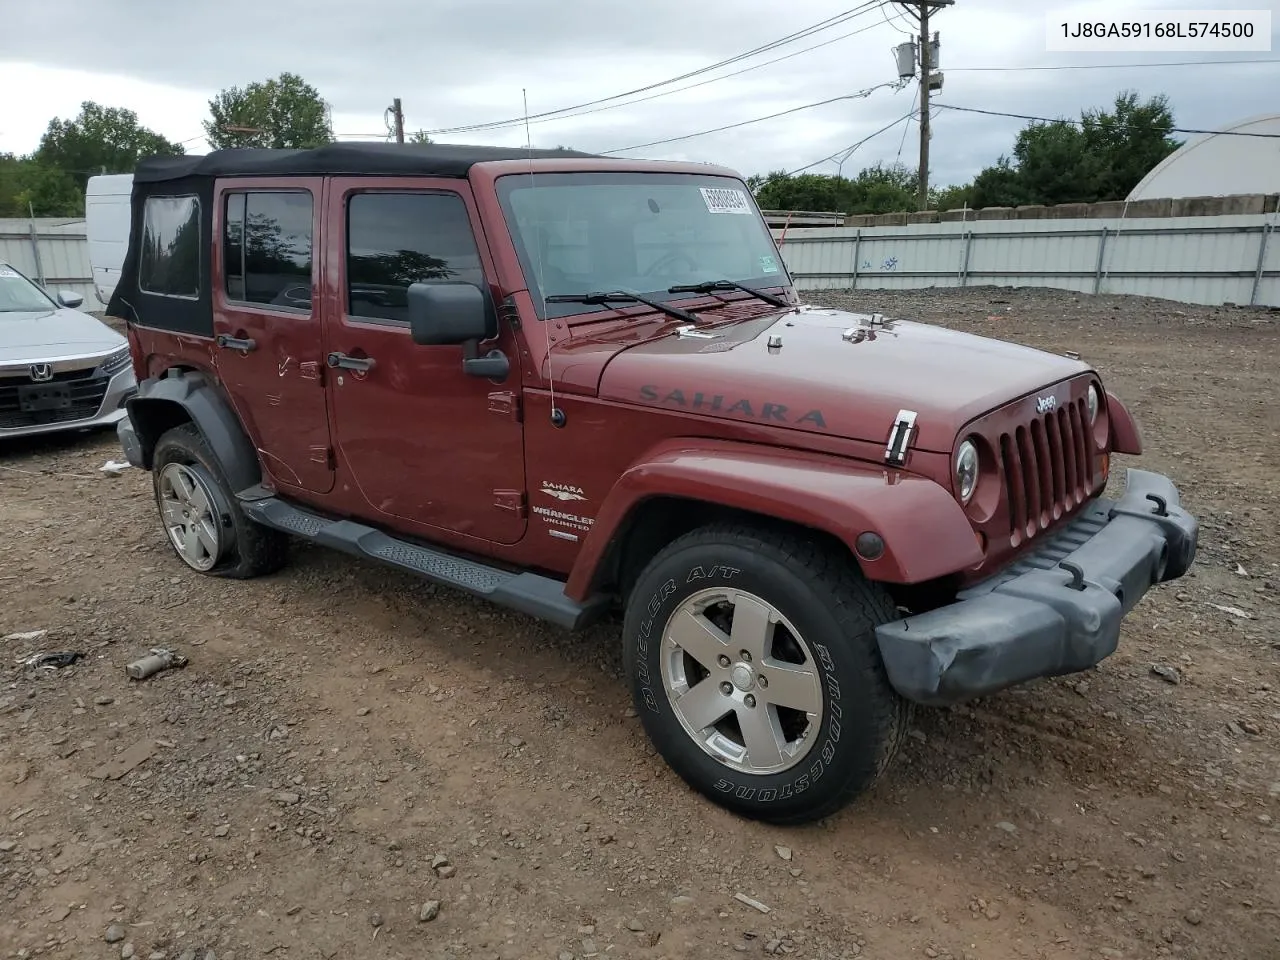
164,402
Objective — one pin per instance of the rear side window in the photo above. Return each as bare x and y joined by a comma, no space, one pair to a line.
169,265
267,248
397,239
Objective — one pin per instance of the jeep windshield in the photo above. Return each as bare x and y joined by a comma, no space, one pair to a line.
20,295
577,233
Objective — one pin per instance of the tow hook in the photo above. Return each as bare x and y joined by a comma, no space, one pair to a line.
1077,574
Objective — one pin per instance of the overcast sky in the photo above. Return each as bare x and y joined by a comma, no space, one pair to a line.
456,62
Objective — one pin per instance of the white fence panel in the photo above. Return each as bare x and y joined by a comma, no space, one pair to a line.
1208,260
57,257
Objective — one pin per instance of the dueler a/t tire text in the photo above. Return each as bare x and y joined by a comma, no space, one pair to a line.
247,549
821,594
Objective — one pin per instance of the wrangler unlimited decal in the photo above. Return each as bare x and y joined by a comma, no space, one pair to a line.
718,403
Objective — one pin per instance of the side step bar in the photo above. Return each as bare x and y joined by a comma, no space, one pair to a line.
528,593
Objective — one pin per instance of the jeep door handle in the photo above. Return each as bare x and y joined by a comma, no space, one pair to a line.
234,343
344,362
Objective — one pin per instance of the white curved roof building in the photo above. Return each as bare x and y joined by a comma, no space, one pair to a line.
1218,165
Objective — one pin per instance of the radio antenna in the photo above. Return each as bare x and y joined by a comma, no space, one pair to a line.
557,415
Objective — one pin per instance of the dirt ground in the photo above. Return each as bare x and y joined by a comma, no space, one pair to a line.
341,728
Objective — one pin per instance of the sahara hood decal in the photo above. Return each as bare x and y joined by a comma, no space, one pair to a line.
741,407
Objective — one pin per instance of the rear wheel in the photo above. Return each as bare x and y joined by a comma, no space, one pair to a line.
204,523
754,665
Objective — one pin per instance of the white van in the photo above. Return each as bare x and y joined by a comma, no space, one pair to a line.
106,214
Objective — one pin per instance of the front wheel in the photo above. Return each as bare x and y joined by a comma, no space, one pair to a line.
754,666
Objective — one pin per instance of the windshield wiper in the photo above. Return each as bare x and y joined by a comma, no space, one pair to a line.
708,285
619,296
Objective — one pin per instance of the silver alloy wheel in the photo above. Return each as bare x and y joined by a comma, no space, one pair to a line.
188,512
742,681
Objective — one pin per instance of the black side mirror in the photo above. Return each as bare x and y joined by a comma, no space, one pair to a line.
457,313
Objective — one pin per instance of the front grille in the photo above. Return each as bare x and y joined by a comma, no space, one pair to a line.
87,391
1048,467
116,362
62,376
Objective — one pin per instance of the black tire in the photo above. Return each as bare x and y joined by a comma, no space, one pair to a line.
249,549
821,592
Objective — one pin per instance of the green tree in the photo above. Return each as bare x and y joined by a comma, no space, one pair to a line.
1102,157
954,197
803,191
419,136
999,186
877,189
1055,164
27,187
99,140
282,112
1133,137
881,189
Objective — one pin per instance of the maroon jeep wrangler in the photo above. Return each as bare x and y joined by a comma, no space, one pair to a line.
569,384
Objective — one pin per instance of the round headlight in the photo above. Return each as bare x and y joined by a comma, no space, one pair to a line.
1092,401
966,471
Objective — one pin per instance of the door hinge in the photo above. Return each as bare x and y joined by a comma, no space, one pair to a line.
506,404
512,500
325,456
510,312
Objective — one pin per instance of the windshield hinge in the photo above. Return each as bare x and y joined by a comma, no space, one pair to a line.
904,426
324,455
688,330
506,404
510,500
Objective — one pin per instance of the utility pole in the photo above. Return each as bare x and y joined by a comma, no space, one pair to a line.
398,116
921,10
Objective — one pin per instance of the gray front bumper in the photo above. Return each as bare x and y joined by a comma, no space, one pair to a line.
1053,612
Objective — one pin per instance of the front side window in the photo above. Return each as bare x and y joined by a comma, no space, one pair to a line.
637,232
267,247
398,239
170,256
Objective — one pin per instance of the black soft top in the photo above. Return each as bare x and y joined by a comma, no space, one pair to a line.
352,159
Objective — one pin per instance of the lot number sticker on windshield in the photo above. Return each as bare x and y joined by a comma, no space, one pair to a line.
725,200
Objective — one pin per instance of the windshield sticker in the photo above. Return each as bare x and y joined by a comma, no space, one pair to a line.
768,264
725,200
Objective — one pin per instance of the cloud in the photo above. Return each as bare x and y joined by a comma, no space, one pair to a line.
455,63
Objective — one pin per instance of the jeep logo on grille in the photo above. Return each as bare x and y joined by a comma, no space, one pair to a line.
1045,404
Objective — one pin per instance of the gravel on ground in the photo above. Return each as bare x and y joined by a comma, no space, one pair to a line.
357,764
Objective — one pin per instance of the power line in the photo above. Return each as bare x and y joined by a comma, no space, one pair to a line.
703,83
893,21
1107,66
1020,116
782,113
849,150
906,130
843,36
818,27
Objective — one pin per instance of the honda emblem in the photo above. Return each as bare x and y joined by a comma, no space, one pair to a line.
41,372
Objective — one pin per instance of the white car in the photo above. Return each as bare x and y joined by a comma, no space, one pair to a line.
60,368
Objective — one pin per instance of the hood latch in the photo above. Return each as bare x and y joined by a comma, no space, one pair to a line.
904,428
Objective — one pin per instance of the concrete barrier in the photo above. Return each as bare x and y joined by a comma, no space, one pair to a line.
1236,205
